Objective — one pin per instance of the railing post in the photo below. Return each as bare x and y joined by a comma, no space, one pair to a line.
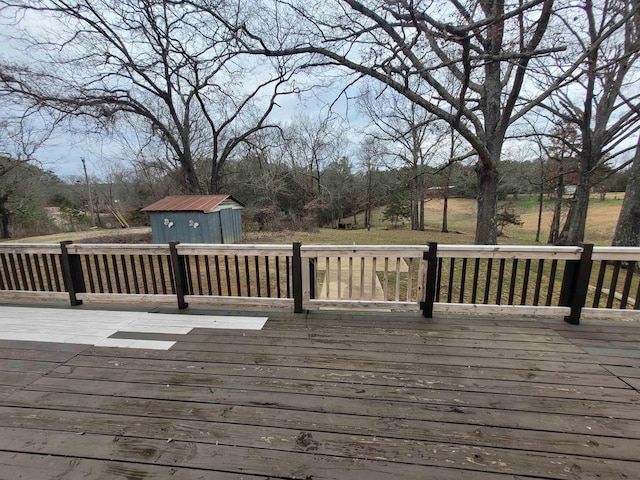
430,280
575,284
71,273
179,275
296,266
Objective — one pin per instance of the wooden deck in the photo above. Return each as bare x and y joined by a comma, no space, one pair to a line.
328,396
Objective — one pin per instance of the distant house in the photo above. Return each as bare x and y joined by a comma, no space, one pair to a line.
196,219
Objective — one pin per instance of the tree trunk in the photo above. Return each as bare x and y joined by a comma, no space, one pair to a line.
5,218
445,209
628,228
554,231
486,227
540,200
421,207
574,226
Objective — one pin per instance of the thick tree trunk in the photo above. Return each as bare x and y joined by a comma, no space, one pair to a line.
486,227
574,227
5,218
628,228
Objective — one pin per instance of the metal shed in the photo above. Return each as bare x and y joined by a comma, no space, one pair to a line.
196,219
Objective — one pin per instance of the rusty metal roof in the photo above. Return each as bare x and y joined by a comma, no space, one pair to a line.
191,203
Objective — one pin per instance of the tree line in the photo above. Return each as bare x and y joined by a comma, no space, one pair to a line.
193,86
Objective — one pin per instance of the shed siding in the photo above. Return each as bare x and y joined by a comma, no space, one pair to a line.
224,226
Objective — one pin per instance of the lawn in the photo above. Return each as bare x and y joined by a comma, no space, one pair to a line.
601,223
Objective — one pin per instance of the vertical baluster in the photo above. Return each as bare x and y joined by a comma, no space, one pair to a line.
500,281
134,274
36,260
99,273
14,271
47,272
143,274
614,284
289,273
525,282
152,271
247,273
631,266
125,273
116,273
536,293
410,281
552,281
385,287
267,275
373,278
463,279
474,288
23,272
238,279
439,280
361,278
55,266
397,279
487,281
2,274
188,276
7,271
599,283
512,283
452,268
207,269
228,274
218,281
339,278
278,287
163,280
257,270
87,261
350,278
30,276
327,275
196,259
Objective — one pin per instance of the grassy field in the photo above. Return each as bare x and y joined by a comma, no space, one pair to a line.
601,223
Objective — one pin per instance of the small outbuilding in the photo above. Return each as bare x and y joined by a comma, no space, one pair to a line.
196,219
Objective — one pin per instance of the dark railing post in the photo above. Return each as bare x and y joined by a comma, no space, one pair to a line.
71,273
430,280
575,284
179,275
296,266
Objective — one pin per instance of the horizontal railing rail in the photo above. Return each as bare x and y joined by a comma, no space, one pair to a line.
574,282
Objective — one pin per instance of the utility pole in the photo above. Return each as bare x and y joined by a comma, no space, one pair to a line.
86,178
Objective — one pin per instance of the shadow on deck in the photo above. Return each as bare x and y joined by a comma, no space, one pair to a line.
329,395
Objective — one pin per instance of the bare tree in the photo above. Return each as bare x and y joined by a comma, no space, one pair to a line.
628,228
20,138
310,144
601,100
413,47
410,134
161,66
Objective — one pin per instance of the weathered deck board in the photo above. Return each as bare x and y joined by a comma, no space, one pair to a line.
330,396
44,467
348,384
